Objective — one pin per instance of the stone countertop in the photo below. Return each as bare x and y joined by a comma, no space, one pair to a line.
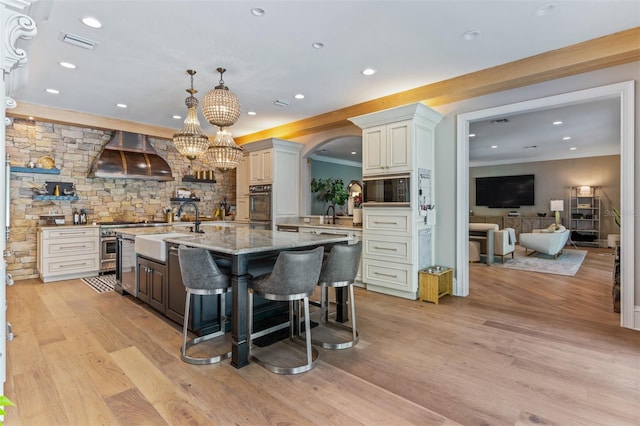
236,240
325,226
70,225
174,227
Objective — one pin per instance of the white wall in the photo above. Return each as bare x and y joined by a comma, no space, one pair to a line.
445,177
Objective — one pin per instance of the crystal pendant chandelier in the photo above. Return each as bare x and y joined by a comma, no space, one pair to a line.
223,153
191,141
220,106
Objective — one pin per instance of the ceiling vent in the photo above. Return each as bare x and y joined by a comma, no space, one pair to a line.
500,121
281,103
531,147
75,40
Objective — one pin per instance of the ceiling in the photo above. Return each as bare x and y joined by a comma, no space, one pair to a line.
144,48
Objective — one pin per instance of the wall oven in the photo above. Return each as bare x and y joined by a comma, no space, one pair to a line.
386,191
260,205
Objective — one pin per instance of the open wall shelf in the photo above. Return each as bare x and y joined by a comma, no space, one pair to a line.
53,171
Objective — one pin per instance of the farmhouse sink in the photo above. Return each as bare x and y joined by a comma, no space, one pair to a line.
153,246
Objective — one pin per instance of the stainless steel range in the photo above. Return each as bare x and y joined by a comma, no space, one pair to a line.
108,243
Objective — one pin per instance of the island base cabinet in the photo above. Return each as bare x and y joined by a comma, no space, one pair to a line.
151,283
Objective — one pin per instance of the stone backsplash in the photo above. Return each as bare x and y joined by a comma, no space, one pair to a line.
74,150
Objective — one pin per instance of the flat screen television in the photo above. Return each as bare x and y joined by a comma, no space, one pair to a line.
505,191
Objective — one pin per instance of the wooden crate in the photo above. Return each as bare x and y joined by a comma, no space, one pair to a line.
435,284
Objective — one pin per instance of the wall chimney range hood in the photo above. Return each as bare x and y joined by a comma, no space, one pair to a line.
130,156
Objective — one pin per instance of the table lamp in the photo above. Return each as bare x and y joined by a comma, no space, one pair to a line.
557,206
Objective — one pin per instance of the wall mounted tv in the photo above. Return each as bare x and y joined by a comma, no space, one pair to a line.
505,191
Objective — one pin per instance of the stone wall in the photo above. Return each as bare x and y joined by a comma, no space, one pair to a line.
74,150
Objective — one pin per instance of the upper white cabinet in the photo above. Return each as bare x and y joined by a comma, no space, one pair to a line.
387,148
261,167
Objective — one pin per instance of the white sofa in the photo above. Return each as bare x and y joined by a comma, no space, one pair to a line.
504,240
545,241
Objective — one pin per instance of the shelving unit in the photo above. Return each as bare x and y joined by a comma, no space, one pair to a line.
53,171
188,178
55,197
584,216
181,200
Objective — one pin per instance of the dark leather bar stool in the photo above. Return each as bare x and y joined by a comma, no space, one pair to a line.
294,278
339,269
201,276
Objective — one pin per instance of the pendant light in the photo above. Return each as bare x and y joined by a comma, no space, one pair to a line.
220,106
191,141
223,153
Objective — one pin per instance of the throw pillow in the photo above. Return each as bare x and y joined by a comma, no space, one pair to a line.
551,227
560,228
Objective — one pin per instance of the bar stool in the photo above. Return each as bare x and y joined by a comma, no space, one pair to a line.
201,276
293,278
339,270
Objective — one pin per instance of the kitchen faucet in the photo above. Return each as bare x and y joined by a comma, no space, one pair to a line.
195,206
333,218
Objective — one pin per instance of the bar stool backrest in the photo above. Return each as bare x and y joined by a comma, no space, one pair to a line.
342,263
295,272
199,270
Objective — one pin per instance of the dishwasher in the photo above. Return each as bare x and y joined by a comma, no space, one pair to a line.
126,265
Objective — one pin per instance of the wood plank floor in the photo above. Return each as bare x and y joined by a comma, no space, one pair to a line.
524,348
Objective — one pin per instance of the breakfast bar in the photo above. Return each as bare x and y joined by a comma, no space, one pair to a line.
245,247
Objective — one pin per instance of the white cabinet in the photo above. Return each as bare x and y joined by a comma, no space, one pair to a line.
242,189
397,242
65,253
387,149
277,162
261,167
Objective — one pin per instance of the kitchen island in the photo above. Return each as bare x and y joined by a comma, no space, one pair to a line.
245,248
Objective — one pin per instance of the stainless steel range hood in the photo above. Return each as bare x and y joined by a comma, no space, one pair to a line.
130,156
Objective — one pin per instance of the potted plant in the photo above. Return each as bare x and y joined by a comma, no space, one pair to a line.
330,191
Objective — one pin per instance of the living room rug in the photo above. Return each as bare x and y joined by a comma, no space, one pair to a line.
101,283
568,263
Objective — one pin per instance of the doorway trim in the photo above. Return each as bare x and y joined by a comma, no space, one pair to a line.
625,91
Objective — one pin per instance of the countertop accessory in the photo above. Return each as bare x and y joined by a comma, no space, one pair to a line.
46,162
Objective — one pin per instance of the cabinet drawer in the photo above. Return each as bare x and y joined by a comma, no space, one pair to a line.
70,247
398,249
70,233
382,221
87,263
386,274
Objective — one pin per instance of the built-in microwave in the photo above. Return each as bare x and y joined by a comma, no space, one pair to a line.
386,191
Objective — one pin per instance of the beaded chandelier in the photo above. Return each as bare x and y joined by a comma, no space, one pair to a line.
191,141
220,106
223,153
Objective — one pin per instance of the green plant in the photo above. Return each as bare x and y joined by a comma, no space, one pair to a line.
616,216
4,401
330,191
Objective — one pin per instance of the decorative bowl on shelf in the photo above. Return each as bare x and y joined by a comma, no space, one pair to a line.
542,215
46,162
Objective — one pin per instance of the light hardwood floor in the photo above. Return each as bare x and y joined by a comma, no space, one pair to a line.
523,348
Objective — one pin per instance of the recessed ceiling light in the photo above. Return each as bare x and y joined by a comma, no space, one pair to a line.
494,146
67,65
91,22
121,105
317,45
545,10
177,117
472,135
557,123
573,148
53,91
471,35
299,96
368,71
566,138
251,113
353,153
256,11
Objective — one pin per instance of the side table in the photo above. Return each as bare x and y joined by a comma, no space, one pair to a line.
434,283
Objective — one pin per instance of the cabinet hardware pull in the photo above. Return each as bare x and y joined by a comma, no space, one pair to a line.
73,247
73,233
386,223
73,265
385,275
385,248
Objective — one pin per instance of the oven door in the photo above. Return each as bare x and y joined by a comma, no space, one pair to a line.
108,246
260,207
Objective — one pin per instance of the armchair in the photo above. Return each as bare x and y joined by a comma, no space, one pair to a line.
504,240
